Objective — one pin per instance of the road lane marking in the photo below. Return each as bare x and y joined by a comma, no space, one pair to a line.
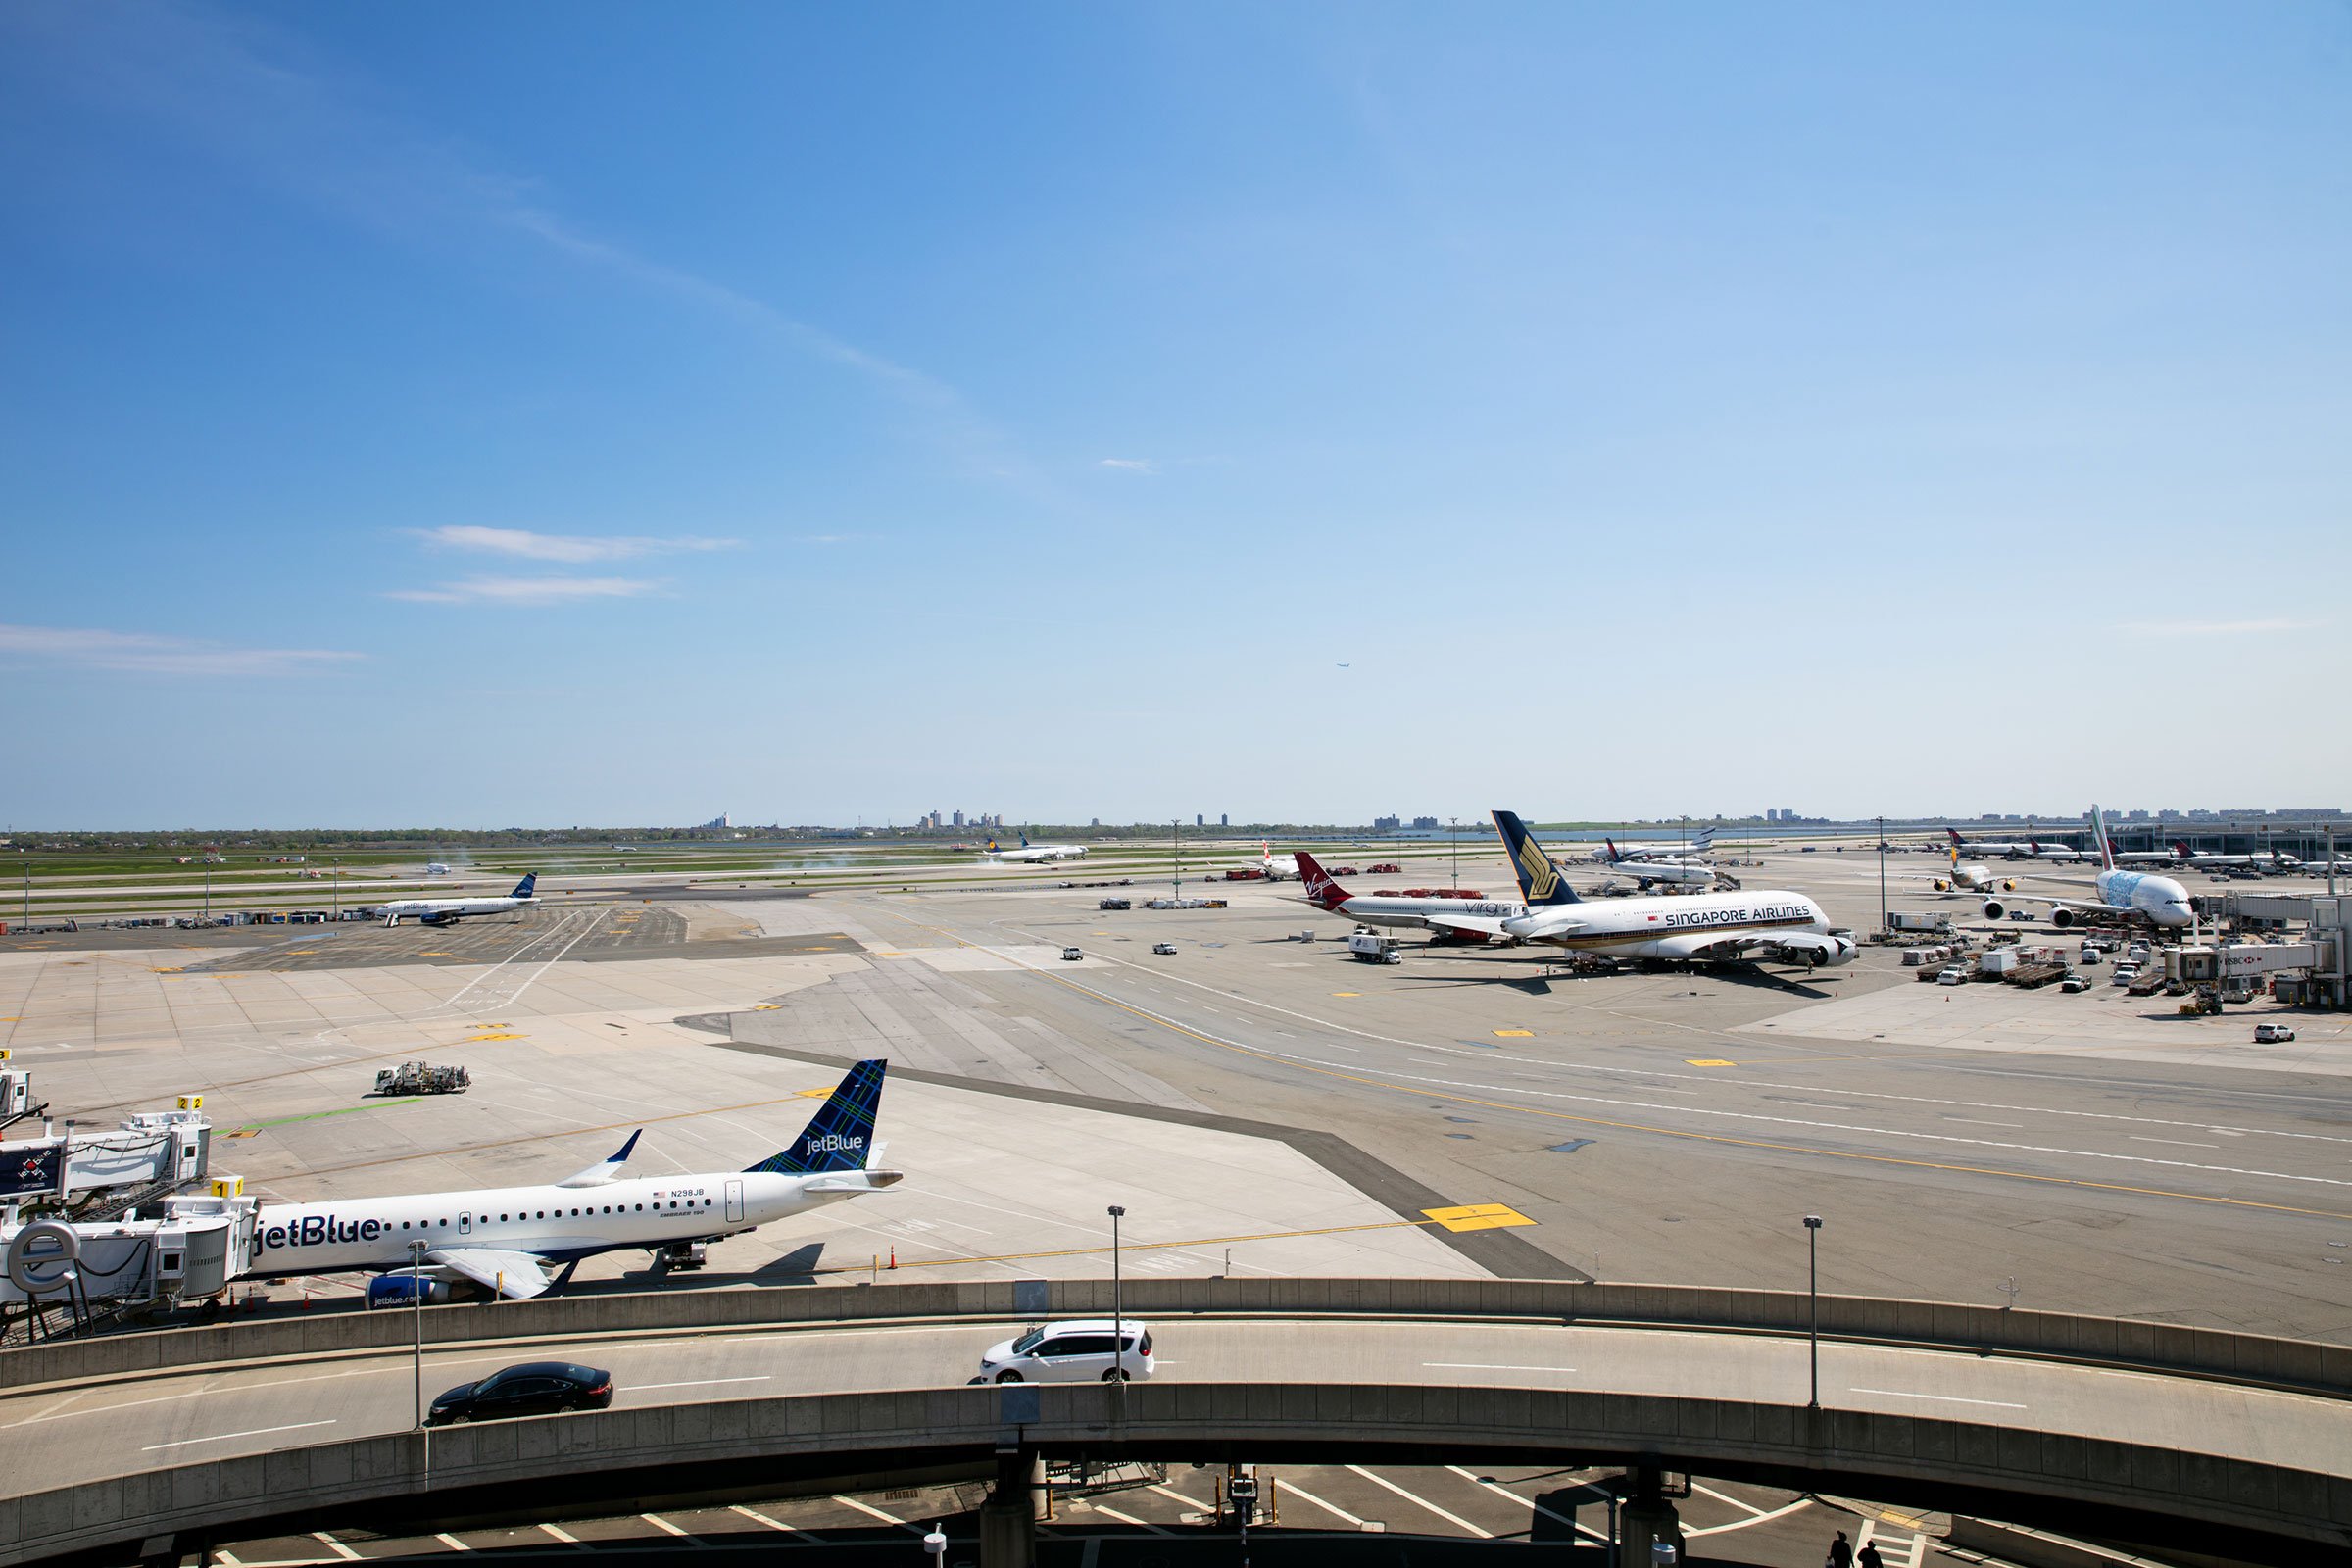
1748,1507
1332,1509
2177,1143
562,1534
1189,1503
1501,1490
666,1526
335,1545
1743,1524
1453,1519
694,1383
452,1541
1942,1399
224,1437
2014,1126
870,1510
1494,1366
756,1516
1127,1519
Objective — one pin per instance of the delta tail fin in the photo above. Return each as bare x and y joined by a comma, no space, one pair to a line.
840,1135
1321,889
1541,882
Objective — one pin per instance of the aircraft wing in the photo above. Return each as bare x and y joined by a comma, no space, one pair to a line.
515,1275
607,1169
1706,945
1491,925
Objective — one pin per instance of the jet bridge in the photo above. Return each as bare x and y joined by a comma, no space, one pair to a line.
188,1252
141,1155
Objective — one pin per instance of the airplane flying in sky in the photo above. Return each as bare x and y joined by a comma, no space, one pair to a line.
506,1239
449,912
1611,853
1427,914
1032,853
2133,895
1705,928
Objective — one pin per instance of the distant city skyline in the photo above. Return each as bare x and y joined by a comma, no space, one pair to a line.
504,414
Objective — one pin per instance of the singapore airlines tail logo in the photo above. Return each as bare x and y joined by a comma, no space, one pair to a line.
1542,877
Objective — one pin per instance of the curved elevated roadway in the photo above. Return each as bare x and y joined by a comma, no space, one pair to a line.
2032,1416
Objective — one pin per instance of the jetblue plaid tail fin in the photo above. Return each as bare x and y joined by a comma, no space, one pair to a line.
841,1134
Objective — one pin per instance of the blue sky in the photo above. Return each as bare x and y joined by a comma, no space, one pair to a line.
603,414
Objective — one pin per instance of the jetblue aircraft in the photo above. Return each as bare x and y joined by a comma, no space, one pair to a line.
506,1239
2133,894
1030,853
1701,928
449,912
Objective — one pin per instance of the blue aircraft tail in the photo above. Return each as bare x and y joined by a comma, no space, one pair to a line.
523,888
841,1132
1539,881
1024,841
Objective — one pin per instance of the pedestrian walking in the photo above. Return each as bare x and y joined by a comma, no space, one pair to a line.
1842,1552
1868,1556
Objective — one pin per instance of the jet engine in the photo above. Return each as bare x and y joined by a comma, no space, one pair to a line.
2061,916
1994,908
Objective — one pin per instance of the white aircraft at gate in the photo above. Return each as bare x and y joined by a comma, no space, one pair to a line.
1701,928
2130,895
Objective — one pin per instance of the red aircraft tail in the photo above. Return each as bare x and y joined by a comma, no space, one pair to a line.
1321,889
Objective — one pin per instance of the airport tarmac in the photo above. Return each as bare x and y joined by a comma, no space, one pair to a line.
2073,1152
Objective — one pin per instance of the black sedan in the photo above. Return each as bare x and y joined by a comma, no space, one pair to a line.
535,1388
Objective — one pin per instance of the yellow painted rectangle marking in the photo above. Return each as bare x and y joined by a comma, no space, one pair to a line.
470,1039
1707,1062
1347,993
1478,1217
1516,1034
812,1093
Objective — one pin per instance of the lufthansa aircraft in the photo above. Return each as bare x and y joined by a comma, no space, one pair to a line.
506,1239
2133,894
449,912
1029,853
1702,928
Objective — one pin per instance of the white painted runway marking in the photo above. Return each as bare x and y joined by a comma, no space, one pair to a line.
224,1437
1942,1399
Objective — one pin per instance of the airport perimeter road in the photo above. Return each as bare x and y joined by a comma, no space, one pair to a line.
1669,1127
57,1436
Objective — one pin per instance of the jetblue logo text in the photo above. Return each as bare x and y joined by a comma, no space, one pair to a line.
318,1229
833,1143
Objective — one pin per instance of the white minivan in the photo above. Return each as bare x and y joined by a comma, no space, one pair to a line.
1076,1352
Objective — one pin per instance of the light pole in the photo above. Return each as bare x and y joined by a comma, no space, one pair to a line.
1176,851
1882,873
416,1298
337,862
1454,838
1118,1330
208,890
1813,1295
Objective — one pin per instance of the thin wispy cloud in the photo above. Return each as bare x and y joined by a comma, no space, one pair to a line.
1129,465
570,548
151,653
262,100
2215,629
527,591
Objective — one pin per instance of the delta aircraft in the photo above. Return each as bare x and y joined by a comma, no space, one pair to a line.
2063,854
1612,853
449,912
2007,852
2132,895
1031,853
1705,928
506,1239
1377,910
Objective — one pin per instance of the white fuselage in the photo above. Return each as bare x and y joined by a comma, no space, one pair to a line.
557,1223
447,908
2007,852
1609,855
2059,852
1666,927
1033,854
1678,873
2158,899
1367,909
